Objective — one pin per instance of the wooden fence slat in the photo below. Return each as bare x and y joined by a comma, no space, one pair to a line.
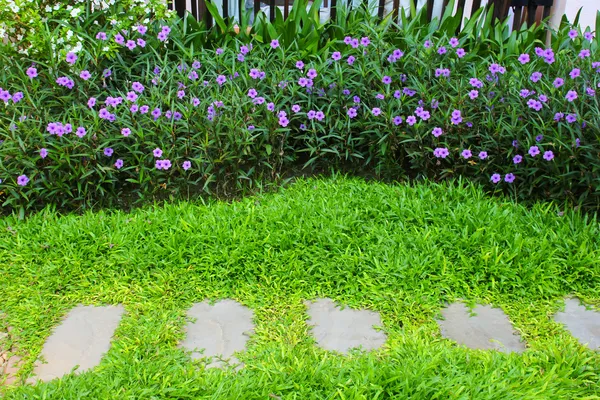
396,10
531,10
195,10
272,10
476,6
333,10
180,8
380,8
461,12
546,12
286,5
517,22
256,8
429,9
225,9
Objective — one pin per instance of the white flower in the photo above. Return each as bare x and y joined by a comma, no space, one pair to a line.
48,9
75,12
105,48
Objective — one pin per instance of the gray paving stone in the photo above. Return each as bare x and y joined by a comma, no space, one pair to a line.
340,330
220,330
582,323
490,328
80,340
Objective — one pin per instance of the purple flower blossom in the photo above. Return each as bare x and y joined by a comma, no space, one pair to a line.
311,114
588,36
352,112
456,117
283,121
571,118
186,165
584,53
558,82
43,152
386,80
534,151
442,50
351,60
130,44
274,43
22,180
496,178
271,107
163,164
347,40
397,120
427,44
312,73
575,73
157,152
466,153
376,111
71,58
108,152
320,115
101,36
441,152
162,36
365,41
437,132
483,155
524,58
475,83
509,178
32,72
221,79
336,56
411,120
119,164
296,108
473,94
571,95
573,33
80,132
299,64
536,76
125,132
453,42
548,155
517,159
460,53
156,113
119,39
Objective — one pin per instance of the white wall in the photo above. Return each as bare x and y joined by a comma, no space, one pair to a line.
588,14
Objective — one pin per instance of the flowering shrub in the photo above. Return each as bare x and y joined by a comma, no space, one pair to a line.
160,117
24,22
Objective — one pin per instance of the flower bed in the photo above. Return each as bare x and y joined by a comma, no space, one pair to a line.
156,116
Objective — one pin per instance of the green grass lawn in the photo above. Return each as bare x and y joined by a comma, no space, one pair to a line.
403,251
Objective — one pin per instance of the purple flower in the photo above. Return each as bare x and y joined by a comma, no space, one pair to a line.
43,152
365,41
548,155
437,131
157,152
85,75
466,153
271,107
475,83
162,36
32,72
442,50
571,95
144,109
142,29
101,36
108,152
352,112
252,93
539,138
584,53
571,118
119,39
387,80
456,117
577,142
397,120
163,164
524,58
379,96
453,42
460,53
274,43
441,152
80,132
311,114
221,79
130,44
138,87
496,178
536,76
312,73
283,121
347,40
483,155
473,94
510,178
351,60
517,159
376,111
156,113
588,36
575,73
534,151
336,56
119,164
558,82
411,120
71,58
22,180
125,132
573,33
296,108
427,44
299,64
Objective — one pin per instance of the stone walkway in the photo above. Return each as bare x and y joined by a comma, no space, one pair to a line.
217,331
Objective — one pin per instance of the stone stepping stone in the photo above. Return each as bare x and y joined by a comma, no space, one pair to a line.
220,330
340,330
79,341
490,328
583,324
